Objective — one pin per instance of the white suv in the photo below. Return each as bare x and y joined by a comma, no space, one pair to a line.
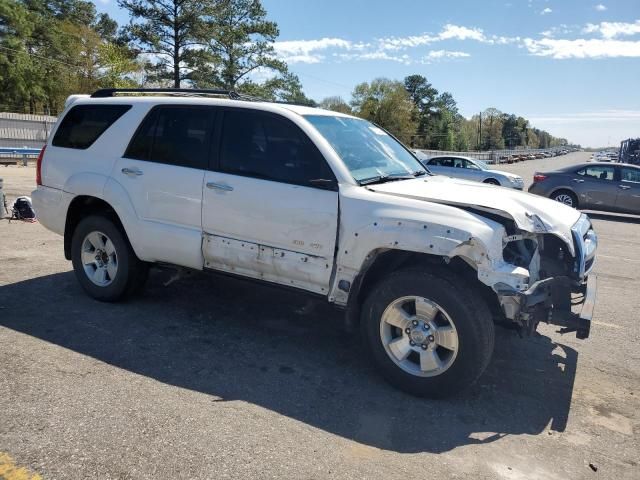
318,201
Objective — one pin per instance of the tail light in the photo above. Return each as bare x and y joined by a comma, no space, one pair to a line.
39,167
538,177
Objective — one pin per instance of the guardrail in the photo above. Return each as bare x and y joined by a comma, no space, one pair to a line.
13,155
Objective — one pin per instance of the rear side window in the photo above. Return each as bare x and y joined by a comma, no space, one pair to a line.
442,162
175,136
84,124
260,145
598,172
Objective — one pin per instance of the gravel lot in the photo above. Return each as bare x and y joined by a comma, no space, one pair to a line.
219,378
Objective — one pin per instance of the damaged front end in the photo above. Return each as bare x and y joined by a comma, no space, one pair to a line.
561,291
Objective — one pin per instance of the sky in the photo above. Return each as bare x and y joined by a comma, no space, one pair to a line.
572,67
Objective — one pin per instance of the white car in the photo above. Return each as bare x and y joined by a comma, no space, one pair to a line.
470,169
314,200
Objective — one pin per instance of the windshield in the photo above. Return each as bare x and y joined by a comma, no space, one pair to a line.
366,150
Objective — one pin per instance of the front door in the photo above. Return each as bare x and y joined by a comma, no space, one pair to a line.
628,199
596,187
270,203
162,172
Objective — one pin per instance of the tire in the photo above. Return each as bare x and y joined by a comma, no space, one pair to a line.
104,262
566,197
458,305
491,181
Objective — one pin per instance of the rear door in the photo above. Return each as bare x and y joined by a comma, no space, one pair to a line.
628,199
162,171
270,202
442,166
596,187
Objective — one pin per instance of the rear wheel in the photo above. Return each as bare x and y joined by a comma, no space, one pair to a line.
566,197
104,262
430,334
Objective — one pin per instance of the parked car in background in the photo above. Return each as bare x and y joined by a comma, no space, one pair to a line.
613,187
470,169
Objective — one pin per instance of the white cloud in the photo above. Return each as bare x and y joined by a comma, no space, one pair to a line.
398,49
581,48
448,32
613,29
439,54
376,55
315,51
546,11
561,29
461,33
306,51
600,7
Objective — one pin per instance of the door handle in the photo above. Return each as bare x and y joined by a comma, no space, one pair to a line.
577,180
219,186
132,171
624,187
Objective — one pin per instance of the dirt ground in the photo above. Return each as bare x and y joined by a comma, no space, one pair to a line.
217,378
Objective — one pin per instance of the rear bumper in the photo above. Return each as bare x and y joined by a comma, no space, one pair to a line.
51,206
559,301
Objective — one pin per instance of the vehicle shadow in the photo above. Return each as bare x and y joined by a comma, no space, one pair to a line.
612,217
237,341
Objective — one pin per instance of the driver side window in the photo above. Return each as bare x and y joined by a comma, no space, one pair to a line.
261,145
470,165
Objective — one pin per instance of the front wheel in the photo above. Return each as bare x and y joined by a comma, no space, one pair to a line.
492,181
430,334
104,262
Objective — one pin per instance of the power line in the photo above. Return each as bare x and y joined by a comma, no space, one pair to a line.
78,67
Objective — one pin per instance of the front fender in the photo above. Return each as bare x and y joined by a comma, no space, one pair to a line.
477,240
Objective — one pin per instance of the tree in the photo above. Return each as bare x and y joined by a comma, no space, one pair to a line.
53,48
336,104
284,88
168,30
386,103
492,129
239,41
423,95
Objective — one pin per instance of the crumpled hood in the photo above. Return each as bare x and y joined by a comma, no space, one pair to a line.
531,213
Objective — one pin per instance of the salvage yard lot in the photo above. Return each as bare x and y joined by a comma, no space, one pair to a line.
209,377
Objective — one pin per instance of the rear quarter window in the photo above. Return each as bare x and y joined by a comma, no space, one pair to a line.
84,124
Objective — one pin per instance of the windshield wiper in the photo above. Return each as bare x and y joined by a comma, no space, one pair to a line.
389,177
419,173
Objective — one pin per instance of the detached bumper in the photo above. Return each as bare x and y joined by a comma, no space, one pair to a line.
558,301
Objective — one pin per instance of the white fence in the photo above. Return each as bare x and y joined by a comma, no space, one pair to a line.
24,130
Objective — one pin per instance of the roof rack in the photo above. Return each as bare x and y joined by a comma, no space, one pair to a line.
233,95
111,92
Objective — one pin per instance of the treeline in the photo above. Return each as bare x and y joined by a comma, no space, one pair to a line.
422,117
50,49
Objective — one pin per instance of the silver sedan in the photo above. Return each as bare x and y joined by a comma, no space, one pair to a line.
470,169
